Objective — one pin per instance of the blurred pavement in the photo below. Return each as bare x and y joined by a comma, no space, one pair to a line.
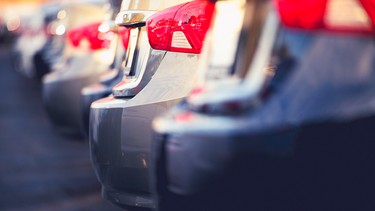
39,168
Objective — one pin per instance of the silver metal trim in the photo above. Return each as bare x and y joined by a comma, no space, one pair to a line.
133,18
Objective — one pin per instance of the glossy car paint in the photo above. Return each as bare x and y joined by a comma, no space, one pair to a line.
120,130
120,125
96,91
305,145
79,68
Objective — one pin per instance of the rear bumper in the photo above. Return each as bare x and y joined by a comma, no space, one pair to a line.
90,94
128,199
61,100
123,173
62,95
193,150
120,139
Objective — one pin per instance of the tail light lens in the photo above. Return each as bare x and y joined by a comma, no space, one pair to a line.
96,39
356,16
75,36
181,28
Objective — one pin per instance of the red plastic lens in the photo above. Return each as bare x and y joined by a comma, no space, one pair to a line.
356,16
302,13
159,27
369,6
75,37
97,40
181,28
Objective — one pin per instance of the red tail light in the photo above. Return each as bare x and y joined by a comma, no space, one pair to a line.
75,36
181,28
97,40
335,15
124,35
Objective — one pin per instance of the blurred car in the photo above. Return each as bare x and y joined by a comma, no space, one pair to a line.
108,79
89,52
284,117
11,14
54,28
6,36
160,70
31,31
43,29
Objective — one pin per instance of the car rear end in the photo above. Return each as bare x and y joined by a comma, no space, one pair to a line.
89,53
162,68
286,124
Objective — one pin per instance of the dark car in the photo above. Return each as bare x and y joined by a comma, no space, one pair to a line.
286,123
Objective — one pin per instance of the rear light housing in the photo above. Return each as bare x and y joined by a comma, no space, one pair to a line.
181,28
356,16
96,39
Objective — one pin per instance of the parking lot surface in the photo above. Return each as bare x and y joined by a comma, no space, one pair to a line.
40,169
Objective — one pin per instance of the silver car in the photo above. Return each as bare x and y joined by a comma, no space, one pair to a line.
161,69
286,123
85,58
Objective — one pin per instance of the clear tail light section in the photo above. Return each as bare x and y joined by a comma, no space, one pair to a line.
357,16
181,28
90,33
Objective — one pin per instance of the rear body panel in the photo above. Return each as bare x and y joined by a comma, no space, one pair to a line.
121,134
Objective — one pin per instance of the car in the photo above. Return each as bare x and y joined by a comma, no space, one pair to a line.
9,23
89,53
51,51
107,80
283,117
161,68
30,30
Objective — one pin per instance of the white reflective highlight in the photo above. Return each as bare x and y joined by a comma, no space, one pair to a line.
13,23
60,30
61,14
104,27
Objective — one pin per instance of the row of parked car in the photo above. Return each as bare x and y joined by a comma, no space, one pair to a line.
216,105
